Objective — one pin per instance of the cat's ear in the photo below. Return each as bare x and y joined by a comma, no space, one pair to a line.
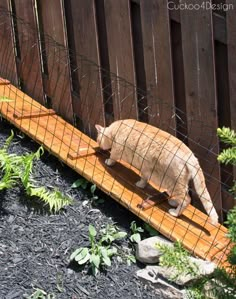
99,128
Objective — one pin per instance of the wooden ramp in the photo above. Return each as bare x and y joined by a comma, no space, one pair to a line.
79,152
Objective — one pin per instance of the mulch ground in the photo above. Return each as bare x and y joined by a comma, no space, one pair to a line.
35,245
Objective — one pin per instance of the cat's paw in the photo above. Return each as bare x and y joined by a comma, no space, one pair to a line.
173,203
110,162
141,184
173,212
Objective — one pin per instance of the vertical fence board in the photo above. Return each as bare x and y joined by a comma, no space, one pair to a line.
58,83
201,98
82,35
158,62
231,35
120,48
7,55
30,77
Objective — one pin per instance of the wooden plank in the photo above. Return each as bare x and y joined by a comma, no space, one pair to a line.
201,99
231,34
158,63
29,64
55,57
192,228
178,78
121,60
231,38
83,39
8,68
219,21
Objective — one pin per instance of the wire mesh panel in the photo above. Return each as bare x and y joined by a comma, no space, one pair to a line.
147,170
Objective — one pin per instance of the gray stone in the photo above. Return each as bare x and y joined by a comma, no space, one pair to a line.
146,251
163,289
202,268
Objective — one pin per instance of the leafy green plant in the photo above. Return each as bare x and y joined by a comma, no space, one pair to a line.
101,251
228,156
41,294
135,232
18,168
83,183
152,232
178,258
227,136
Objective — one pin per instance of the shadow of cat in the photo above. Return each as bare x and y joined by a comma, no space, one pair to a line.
127,177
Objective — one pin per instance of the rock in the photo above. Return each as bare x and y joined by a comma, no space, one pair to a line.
146,251
202,268
163,289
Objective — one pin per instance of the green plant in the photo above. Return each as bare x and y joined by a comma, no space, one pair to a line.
83,183
135,232
178,258
152,232
101,251
17,168
227,136
228,156
41,294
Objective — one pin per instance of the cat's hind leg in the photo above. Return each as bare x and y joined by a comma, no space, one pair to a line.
142,183
110,162
181,206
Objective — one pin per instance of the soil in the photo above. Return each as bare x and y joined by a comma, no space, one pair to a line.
35,245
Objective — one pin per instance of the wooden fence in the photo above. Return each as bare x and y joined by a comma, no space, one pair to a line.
183,57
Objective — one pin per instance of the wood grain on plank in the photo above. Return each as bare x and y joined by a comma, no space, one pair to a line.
158,62
30,77
121,60
88,106
55,57
8,67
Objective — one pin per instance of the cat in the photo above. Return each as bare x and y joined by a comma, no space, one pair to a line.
161,158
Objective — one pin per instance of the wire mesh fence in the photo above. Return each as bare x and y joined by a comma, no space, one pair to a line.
143,157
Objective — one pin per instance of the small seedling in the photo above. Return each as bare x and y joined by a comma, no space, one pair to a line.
130,259
80,183
152,232
101,251
41,294
135,230
83,183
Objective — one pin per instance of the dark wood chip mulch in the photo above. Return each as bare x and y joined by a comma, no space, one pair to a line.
35,245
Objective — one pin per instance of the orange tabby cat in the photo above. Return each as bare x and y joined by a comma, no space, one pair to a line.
161,158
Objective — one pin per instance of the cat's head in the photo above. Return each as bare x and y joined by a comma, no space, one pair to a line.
104,137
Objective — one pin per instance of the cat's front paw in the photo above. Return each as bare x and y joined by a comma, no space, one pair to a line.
110,162
141,184
173,212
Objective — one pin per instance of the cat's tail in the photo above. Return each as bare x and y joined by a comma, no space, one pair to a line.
201,189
